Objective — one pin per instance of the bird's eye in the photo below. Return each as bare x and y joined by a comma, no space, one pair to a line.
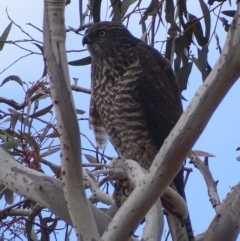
102,33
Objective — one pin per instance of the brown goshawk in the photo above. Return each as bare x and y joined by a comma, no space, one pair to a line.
135,97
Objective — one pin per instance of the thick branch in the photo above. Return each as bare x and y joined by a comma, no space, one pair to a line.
226,224
55,54
154,219
20,106
43,189
169,160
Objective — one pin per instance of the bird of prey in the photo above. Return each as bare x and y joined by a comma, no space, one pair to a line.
135,100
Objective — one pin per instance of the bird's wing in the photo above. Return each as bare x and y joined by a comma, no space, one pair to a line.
158,92
161,104
96,124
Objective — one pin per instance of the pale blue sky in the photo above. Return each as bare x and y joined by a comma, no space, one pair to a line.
221,137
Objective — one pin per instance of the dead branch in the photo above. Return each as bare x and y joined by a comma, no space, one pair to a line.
207,175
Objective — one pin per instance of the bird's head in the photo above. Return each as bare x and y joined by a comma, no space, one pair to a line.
104,36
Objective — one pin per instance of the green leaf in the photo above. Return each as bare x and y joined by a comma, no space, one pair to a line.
80,62
9,196
188,34
90,158
14,78
182,7
52,226
69,234
80,112
15,153
125,5
8,135
50,151
210,2
44,229
144,30
151,10
168,50
1,187
183,75
207,18
177,64
14,119
116,11
169,11
40,47
218,43
31,91
54,134
96,10
202,61
56,169
9,145
34,236
197,30
25,121
30,140
42,112
183,98
229,13
4,35
2,192
225,23
45,130
28,229
48,219
173,30
181,45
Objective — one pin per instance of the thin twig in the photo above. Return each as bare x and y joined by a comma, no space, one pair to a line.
21,28
17,106
15,62
34,27
80,89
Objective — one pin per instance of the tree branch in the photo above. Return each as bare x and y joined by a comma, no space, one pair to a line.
41,188
211,184
71,163
226,224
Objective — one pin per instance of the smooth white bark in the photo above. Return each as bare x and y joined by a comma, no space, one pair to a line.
41,188
131,170
154,219
71,168
207,175
226,224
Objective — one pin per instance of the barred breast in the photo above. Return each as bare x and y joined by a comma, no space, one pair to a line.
117,103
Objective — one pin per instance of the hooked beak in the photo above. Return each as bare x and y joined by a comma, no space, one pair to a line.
86,40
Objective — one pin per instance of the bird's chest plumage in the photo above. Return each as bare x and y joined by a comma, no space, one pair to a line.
117,101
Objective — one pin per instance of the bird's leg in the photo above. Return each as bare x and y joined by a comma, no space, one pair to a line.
121,191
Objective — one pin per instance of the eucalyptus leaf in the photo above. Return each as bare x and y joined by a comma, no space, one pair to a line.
9,196
13,78
90,158
4,35
81,62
